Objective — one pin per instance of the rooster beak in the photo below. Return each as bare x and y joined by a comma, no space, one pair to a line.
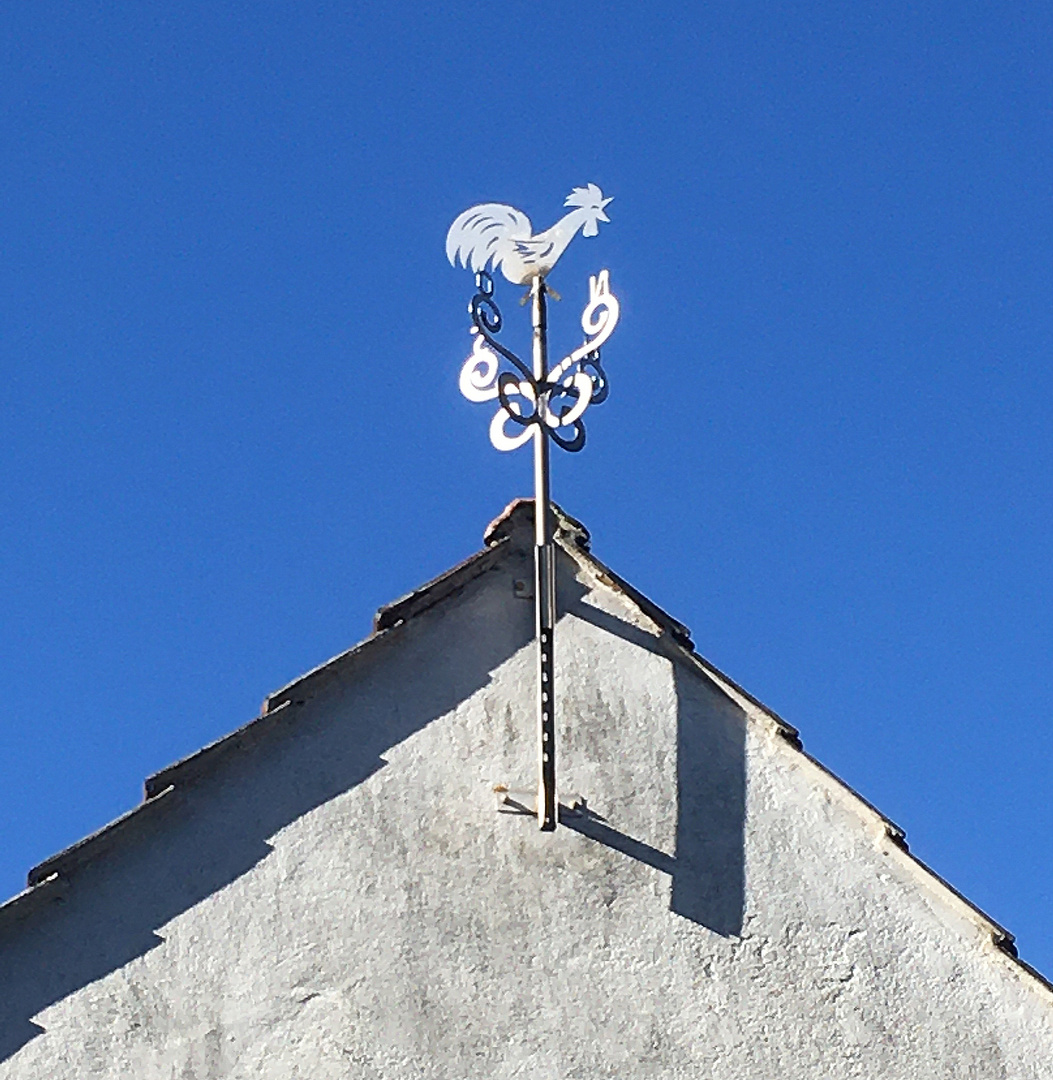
602,215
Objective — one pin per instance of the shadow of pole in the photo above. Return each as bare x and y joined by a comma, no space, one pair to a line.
595,828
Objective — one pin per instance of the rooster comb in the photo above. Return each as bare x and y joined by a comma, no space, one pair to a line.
589,196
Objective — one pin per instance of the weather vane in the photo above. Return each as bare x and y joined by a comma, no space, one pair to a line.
535,402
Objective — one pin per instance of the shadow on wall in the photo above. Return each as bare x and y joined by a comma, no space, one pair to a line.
708,867
709,876
209,832
201,838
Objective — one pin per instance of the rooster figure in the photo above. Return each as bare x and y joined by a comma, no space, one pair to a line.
501,235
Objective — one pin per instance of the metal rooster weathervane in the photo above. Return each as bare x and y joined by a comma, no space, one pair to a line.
543,403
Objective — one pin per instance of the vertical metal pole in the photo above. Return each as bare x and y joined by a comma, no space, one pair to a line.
544,585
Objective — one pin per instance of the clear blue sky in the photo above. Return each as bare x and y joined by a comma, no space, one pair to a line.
230,343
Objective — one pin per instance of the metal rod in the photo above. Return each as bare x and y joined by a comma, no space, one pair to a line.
544,582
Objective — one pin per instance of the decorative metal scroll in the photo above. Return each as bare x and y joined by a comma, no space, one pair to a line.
528,406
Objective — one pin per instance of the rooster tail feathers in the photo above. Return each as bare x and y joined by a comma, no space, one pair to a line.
485,233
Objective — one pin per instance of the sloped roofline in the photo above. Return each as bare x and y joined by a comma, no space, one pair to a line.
47,878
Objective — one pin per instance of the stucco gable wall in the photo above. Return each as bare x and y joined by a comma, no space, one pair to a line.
344,896
899,976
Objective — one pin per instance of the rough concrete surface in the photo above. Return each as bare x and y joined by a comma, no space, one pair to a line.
342,895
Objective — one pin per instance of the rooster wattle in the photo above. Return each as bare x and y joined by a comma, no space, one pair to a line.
501,235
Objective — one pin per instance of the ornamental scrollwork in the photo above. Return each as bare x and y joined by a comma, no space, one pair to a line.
529,406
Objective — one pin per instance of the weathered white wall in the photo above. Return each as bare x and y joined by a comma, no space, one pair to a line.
341,898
